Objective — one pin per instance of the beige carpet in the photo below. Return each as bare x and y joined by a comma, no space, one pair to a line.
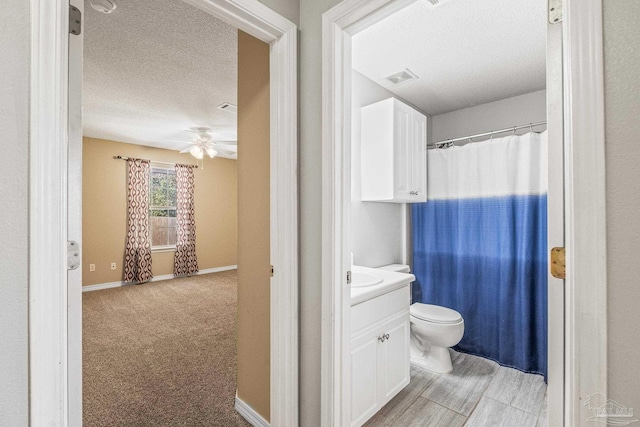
161,354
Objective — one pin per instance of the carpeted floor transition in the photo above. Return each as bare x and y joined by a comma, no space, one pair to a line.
162,353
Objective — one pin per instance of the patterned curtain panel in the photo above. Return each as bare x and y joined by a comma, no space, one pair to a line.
185,262
137,253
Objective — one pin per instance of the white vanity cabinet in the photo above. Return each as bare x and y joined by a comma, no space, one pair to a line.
379,354
393,153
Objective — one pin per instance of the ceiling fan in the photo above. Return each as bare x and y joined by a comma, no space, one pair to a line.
203,143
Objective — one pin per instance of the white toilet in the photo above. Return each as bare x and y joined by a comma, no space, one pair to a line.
433,330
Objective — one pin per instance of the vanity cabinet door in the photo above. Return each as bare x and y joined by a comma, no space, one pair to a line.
393,358
364,373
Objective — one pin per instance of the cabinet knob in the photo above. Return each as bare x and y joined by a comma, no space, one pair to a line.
383,338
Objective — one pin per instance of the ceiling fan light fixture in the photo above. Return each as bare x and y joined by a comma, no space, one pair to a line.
197,152
211,152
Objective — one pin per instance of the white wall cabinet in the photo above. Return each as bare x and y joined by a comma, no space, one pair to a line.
379,353
394,153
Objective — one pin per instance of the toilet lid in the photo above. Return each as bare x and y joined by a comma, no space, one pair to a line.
435,313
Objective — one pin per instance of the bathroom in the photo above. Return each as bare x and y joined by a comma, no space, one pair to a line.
449,193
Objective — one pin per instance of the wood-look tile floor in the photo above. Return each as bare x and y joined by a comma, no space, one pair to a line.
478,393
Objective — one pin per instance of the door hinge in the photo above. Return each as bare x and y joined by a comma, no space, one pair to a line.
75,20
349,277
73,255
271,271
555,11
558,266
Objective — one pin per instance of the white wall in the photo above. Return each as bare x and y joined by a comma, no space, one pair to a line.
311,206
376,228
518,110
14,193
290,9
622,108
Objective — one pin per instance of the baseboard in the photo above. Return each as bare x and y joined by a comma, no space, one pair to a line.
249,414
100,286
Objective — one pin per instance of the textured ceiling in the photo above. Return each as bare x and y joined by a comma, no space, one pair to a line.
465,52
153,68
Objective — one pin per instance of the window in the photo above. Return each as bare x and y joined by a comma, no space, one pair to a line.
162,207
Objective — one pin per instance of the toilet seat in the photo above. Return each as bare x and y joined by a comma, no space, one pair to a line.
434,313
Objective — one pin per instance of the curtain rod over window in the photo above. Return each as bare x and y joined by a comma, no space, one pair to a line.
449,142
153,161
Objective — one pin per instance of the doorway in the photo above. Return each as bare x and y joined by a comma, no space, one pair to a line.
56,376
144,101
341,24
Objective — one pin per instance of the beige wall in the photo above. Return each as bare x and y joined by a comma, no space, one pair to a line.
104,209
253,224
622,108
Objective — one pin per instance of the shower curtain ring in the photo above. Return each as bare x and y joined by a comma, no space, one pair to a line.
514,130
531,127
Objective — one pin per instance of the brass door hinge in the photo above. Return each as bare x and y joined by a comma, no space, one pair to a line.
558,266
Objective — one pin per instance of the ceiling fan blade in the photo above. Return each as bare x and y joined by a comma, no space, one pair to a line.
224,150
225,146
228,153
174,141
186,150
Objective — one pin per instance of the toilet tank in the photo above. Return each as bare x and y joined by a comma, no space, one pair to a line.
400,268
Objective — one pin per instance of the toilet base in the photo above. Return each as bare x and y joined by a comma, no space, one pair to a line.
435,359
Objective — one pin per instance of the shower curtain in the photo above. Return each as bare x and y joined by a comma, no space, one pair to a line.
480,246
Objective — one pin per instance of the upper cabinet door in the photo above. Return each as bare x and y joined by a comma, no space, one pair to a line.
418,158
394,155
403,147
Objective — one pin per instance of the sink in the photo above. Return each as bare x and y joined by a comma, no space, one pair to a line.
360,279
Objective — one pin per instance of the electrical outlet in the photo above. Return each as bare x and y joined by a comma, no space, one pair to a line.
92,267
113,265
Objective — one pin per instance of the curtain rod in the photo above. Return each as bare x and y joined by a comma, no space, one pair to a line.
493,132
153,161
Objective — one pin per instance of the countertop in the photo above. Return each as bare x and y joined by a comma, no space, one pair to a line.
391,280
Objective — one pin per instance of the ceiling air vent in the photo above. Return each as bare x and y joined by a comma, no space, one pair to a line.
402,77
434,3
228,107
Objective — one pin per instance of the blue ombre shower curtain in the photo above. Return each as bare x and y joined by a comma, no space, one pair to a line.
480,246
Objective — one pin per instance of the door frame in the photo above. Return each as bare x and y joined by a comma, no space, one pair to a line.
54,351
584,355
